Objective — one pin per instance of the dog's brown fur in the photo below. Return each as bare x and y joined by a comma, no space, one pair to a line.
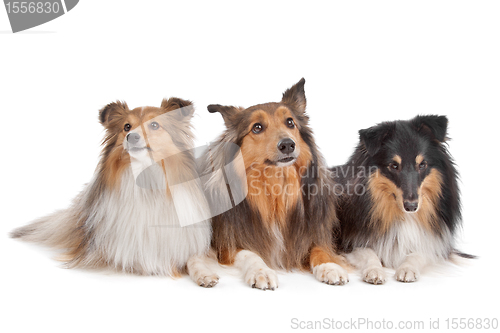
387,201
115,221
114,116
281,219
273,191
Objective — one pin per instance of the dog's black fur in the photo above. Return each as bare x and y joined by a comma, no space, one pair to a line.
376,187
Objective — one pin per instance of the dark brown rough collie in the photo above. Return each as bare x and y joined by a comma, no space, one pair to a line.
287,219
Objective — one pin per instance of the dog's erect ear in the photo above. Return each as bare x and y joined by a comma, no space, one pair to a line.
296,96
112,112
433,126
185,107
373,138
228,113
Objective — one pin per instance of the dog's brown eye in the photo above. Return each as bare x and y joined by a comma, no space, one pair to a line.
394,166
127,127
290,123
154,125
422,166
257,128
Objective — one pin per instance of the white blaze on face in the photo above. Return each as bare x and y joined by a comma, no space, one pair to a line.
140,159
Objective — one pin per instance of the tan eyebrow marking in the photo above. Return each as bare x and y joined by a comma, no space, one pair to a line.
258,116
397,159
283,111
419,159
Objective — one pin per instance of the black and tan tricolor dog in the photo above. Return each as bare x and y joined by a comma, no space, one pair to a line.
400,205
287,219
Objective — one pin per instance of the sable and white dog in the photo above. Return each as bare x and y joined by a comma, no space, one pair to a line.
143,211
283,216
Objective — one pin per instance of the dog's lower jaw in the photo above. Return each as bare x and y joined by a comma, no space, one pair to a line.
281,163
255,271
286,164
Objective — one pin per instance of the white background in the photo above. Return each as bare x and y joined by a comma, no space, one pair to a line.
364,62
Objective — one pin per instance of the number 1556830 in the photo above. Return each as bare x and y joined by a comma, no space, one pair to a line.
24,7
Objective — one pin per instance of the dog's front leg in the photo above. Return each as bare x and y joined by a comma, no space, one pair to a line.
368,262
326,267
409,270
255,271
198,269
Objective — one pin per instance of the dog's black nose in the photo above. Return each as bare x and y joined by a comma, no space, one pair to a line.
286,146
133,138
411,206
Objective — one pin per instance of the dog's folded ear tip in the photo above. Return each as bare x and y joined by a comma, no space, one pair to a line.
107,112
213,108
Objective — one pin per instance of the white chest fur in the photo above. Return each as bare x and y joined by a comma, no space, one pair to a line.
409,236
137,229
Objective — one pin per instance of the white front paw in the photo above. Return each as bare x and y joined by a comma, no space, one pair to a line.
262,278
374,275
407,274
207,281
331,273
200,273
